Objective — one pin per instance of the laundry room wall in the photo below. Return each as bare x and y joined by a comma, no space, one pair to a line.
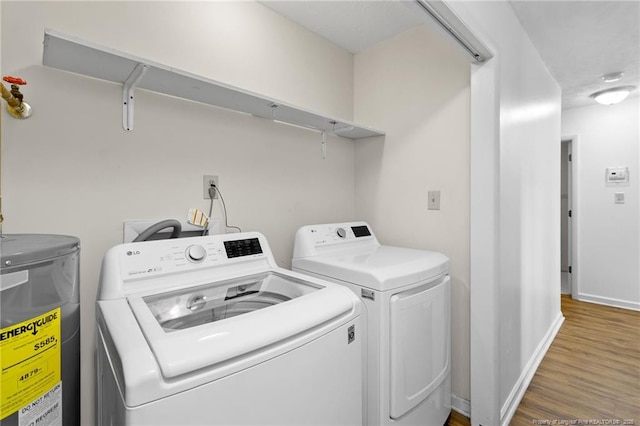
608,247
416,87
72,169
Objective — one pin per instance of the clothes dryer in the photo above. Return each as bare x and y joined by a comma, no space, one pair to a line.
210,331
406,294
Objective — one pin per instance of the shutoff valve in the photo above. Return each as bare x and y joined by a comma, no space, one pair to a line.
15,104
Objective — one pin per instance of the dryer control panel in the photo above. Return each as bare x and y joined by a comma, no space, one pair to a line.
312,239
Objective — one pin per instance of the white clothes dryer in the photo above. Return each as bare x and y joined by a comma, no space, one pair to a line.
210,331
406,294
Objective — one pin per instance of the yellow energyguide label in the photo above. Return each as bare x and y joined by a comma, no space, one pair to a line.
30,359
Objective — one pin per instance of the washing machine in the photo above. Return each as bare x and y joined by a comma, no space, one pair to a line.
210,331
406,295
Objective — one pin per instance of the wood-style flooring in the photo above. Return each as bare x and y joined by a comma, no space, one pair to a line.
591,373
458,419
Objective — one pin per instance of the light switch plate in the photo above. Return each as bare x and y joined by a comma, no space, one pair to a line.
434,200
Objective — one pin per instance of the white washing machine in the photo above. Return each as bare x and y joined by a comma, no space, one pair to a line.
406,294
210,331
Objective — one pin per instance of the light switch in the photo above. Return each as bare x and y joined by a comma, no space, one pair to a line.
434,200
619,197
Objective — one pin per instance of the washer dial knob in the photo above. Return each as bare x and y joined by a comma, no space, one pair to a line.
196,253
341,232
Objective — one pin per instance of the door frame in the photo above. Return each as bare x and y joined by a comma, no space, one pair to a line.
484,242
565,214
573,243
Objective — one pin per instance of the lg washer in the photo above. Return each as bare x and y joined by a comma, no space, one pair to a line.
210,331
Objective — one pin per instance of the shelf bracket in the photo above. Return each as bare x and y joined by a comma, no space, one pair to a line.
127,95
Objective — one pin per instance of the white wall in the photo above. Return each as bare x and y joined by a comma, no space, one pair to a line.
515,226
416,87
608,252
71,169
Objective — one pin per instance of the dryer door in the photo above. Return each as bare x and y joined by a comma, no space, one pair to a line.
419,343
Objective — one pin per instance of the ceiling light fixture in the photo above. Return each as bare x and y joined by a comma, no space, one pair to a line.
611,77
613,95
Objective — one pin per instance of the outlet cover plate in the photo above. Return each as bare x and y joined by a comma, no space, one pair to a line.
205,185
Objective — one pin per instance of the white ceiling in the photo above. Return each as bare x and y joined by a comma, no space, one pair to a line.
578,40
354,25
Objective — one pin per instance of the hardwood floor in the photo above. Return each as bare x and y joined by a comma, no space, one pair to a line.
458,419
591,373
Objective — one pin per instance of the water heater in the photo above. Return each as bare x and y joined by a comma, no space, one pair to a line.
39,330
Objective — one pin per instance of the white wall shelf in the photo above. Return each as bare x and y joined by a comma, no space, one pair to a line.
71,54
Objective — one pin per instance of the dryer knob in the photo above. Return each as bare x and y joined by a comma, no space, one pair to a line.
196,253
341,232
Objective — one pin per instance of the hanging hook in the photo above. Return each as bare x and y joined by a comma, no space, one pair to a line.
273,111
323,145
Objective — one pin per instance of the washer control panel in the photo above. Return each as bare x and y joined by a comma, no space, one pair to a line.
138,260
239,248
196,253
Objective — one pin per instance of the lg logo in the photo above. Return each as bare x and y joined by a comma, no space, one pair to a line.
133,253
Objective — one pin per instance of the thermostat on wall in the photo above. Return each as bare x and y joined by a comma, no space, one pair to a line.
618,176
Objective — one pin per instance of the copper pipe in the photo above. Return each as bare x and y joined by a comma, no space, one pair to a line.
7,96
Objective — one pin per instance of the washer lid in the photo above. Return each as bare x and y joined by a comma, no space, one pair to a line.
25,249
378,268
200,327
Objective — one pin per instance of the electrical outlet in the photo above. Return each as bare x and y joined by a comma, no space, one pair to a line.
206,183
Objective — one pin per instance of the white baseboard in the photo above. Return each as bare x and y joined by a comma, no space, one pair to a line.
461,405
608,301
511,404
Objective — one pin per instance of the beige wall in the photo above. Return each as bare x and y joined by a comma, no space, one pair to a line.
240,43
71,169
416,88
